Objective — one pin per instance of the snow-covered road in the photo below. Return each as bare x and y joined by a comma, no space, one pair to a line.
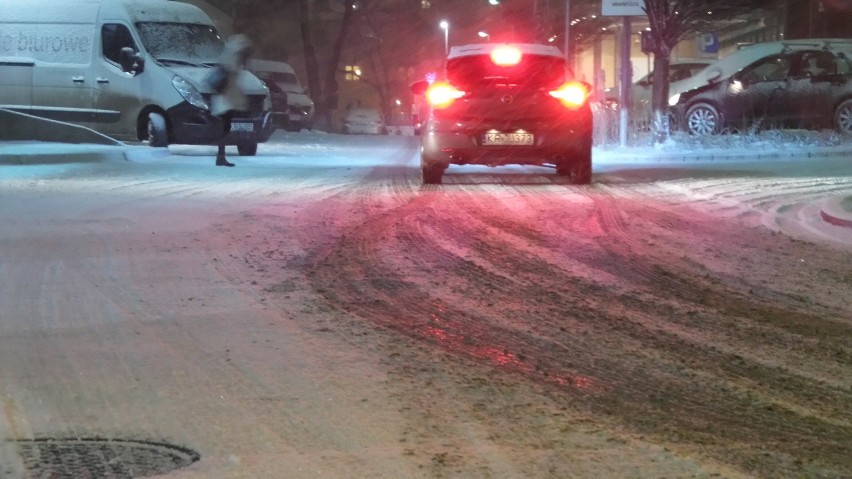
316,312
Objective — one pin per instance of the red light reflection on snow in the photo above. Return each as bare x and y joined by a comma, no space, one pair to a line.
498,356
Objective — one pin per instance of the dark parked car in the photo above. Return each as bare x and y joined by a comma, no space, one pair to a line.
798,84
506,104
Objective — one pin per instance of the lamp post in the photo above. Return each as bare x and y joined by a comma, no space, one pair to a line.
566,40
446,27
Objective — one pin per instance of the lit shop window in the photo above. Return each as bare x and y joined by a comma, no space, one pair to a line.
353,73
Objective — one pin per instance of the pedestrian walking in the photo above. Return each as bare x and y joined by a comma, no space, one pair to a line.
228,97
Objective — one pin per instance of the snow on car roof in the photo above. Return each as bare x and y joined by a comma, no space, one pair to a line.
486,48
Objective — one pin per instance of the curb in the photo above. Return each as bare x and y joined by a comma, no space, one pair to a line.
719,155
60,158
43,154
833,211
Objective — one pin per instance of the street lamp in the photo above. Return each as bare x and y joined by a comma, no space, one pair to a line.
484,35
446,27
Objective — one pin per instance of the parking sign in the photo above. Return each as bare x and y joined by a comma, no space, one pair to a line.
708,44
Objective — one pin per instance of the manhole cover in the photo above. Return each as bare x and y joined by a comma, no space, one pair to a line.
100,458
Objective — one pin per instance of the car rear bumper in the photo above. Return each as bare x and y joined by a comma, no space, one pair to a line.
465,146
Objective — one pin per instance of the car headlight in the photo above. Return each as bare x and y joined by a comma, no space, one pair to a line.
674,99
189,93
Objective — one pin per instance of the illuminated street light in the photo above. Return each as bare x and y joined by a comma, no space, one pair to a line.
484,35
446,27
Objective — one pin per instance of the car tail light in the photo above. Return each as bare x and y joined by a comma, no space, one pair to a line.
572,94
506,56
442,95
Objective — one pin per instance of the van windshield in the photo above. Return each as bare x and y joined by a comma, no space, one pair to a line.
187,42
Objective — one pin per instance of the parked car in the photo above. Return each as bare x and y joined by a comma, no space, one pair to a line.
797,83
363,121
507,104
129,70
643,88
292,108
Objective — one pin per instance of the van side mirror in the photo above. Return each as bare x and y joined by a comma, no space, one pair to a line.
131,61
419,87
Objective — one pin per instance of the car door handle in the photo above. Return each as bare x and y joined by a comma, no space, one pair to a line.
78,79
103,80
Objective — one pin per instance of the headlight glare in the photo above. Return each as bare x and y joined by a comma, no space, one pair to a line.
674,99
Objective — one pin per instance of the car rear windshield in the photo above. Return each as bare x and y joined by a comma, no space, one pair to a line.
534,71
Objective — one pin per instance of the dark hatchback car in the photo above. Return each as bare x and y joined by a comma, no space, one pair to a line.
793,84
506,104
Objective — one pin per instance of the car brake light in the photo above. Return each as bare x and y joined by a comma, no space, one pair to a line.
572,94
506,56
442,95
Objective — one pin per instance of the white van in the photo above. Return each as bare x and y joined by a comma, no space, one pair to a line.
130,69
291,105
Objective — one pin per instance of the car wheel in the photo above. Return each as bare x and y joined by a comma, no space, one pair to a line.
247,148
703,119
577,167
293,126
431,173
843,117
158,134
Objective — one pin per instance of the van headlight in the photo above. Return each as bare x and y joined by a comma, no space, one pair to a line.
267,102
674,99
189,93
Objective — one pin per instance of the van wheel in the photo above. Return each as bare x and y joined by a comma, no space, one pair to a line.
247,149
158,135
843,117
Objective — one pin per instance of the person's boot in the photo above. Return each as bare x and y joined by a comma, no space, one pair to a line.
221,161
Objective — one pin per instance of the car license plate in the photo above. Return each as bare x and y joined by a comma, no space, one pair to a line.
502,139
248,127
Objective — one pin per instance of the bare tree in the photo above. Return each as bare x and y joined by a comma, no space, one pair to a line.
388,40
324,93
671,22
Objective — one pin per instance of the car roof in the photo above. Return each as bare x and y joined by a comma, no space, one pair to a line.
269,66
696,61
486,49
361,110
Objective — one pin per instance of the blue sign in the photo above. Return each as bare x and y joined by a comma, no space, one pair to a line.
708,43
